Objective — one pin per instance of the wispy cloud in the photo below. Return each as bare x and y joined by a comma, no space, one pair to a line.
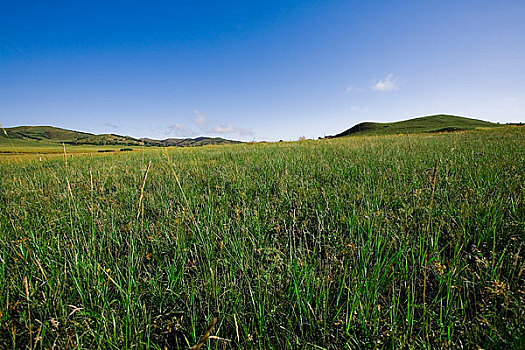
178,129
112,125
359,109
200,119
201,125
389,83
205,126
511,99
230,129
352,88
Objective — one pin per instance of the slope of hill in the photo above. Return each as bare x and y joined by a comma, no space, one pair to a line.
52,135
433,123
44,133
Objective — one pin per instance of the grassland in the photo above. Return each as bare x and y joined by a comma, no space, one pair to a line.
411,241
13,150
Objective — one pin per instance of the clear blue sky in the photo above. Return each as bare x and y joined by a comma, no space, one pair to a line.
263,70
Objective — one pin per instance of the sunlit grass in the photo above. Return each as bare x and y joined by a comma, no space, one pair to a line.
370,242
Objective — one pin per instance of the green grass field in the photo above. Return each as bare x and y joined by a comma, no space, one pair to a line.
23,150
409,241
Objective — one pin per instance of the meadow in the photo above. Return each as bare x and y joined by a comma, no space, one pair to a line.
27,150
406,241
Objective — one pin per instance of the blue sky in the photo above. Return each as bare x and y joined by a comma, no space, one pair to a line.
257,70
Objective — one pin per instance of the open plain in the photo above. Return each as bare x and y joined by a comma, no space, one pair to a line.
396,241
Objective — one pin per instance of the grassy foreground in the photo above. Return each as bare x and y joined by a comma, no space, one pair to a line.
385,242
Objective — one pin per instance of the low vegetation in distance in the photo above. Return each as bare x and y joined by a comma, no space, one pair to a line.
395,241
42,138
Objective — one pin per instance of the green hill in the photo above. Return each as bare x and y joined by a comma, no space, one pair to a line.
44,133
433,123
49,135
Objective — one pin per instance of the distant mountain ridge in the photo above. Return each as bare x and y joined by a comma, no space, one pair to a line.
51,134
54,135
187,142
428,124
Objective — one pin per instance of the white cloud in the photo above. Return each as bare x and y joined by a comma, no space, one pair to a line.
230,129
351,88
179,130
386,84
511,99
200,119
359,109
203,126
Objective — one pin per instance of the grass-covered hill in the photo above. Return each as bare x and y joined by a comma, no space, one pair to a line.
48,135
44,133
433,123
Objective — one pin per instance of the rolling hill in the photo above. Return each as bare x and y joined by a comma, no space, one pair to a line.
49,135
428,124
